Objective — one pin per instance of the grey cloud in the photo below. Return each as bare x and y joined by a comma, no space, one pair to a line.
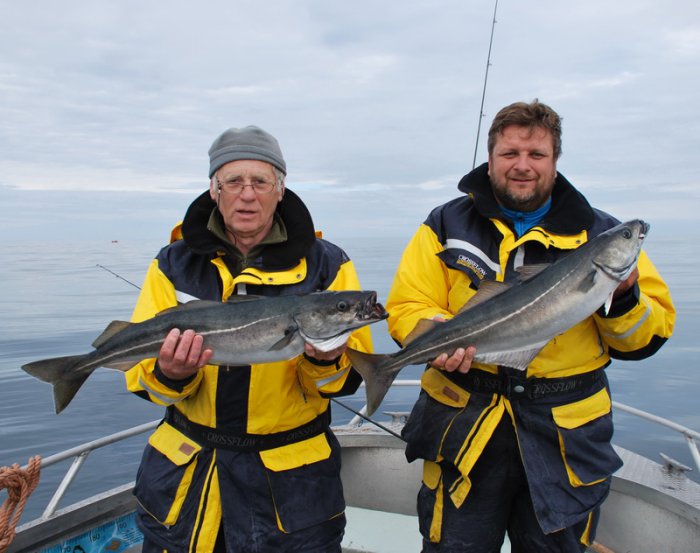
129,95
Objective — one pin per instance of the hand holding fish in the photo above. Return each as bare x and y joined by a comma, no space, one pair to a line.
181,354
460,360
626,284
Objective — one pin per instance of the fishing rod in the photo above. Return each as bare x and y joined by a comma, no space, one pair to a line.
486,77
365,417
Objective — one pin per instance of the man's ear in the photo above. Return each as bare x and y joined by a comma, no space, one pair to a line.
214,190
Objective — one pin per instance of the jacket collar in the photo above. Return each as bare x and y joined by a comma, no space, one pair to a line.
570,212
292,211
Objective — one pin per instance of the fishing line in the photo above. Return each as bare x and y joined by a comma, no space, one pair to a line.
118,276
368,419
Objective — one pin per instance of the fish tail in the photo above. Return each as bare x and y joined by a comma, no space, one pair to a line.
377,374
62,374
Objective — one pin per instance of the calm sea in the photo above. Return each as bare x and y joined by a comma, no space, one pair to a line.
55,301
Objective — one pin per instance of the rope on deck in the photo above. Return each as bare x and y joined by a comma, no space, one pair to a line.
20,483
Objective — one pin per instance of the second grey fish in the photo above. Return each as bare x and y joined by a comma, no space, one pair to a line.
510,325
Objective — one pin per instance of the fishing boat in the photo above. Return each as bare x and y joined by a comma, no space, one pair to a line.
653,506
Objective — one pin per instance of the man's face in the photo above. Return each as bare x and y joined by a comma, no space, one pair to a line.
247,214
522,167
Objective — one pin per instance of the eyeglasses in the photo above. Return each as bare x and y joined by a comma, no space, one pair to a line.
236,187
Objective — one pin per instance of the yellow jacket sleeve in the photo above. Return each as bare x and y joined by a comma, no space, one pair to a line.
639,331
421,286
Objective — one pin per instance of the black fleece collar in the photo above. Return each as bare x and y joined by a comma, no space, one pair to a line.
570,212
292,211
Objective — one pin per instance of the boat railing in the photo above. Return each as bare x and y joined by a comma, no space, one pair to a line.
80,453
691,436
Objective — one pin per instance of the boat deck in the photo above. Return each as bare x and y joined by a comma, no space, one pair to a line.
652,508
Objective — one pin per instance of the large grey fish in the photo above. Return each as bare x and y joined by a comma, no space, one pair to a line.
509,325
245,330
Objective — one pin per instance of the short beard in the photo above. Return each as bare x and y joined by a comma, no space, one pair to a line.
531,203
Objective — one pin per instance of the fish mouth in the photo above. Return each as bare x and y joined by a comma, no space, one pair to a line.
371,309
644,230
618,273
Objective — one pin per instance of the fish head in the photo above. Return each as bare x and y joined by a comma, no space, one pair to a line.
619,249
326,319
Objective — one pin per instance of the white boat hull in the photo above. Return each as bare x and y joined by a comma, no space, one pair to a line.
649,510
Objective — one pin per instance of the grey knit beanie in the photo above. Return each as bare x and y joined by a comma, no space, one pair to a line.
247,143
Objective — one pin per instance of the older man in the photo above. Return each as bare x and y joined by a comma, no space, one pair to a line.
498,455
247,234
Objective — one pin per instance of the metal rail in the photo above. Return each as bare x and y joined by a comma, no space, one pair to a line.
691,436
80,453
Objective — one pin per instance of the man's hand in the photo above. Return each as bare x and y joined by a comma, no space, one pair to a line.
182,355
460,360
626,284
324,355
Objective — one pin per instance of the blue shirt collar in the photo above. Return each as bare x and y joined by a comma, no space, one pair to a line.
525,220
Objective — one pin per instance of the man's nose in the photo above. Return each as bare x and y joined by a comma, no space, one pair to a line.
248,192
522,162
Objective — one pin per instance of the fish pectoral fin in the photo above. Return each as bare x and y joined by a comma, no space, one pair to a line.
608,302
487,290
519,359
588,281
423,326
287,339
112,328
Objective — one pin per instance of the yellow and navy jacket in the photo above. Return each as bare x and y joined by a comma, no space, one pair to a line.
564,437
182,484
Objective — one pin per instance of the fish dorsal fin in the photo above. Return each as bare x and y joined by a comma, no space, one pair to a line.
111,330
190,305
487,290
526,272
423,326
236,298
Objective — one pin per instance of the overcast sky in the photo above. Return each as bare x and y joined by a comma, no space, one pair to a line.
108,109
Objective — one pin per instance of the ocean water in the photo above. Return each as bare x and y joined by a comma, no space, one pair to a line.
56,300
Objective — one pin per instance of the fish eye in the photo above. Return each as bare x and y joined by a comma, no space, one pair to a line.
342,306
627,233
